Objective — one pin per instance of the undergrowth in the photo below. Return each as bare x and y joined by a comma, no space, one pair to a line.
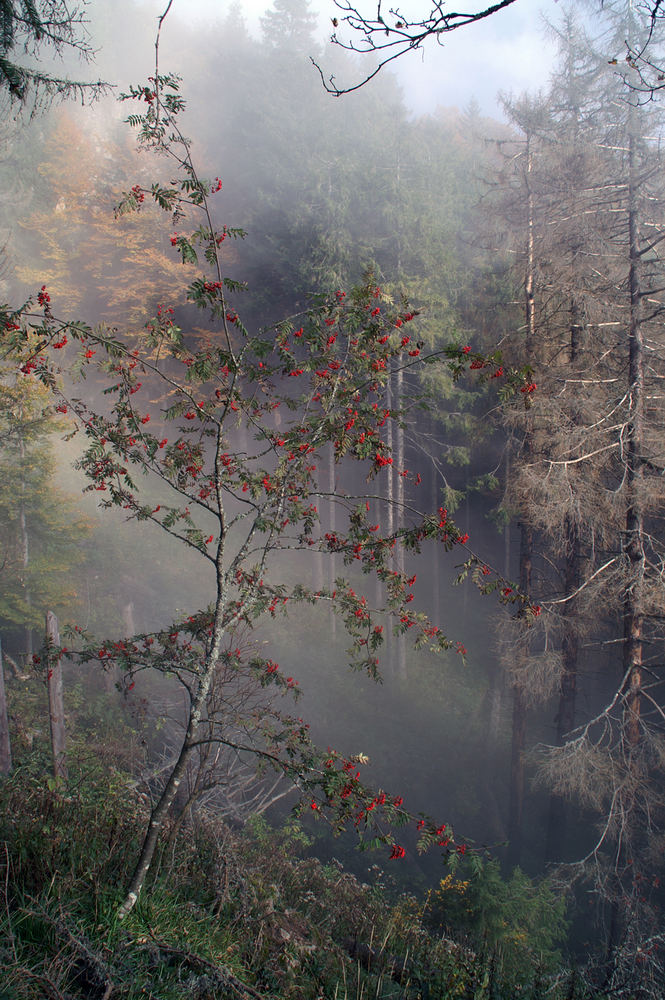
245,913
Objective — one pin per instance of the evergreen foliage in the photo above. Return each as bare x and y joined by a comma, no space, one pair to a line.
32,25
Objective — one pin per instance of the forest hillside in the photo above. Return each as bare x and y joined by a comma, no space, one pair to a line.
330,516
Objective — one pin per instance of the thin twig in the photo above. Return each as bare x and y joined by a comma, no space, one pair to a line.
160,22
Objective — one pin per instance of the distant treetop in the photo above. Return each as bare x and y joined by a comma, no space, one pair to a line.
288,24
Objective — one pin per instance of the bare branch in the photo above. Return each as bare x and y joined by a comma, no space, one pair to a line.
393,35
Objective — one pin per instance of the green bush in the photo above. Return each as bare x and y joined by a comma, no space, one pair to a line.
519,921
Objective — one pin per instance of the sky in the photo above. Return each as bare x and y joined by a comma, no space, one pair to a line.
505,52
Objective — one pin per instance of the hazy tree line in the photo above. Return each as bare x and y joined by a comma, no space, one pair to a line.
541,237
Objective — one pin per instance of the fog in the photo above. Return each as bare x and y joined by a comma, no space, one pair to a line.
421,176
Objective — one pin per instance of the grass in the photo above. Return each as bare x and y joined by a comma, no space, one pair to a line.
247,914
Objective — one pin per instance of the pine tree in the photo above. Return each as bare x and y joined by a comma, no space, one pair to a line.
288,26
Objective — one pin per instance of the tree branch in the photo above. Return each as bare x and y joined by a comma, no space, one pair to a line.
397,35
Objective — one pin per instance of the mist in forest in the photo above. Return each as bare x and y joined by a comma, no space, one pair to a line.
325,190
533,230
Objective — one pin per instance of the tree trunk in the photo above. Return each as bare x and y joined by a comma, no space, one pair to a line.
198,703
331,527
389,470
634,553
400,462
5,745
161,810
436,553
634,537
565,719
55,699
518,748
25,557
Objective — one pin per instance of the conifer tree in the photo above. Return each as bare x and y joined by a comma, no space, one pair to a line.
35,25
588,490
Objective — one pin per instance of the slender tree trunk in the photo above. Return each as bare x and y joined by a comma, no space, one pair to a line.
197,709
436,553
395,431
332,518
565,719
507,553
25,556
495,696
634,554
467,530
318,572
390,507
5,744
634,537
400,462
55,698
496,827
318,566
161,810
518,748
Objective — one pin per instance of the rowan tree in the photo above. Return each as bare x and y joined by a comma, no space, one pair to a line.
240,500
